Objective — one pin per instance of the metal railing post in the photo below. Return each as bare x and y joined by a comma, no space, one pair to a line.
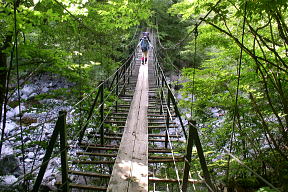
102,113
161,101
63,149
117,89
48,153
134,59
201,156
167,119
161,96
188,157
130,67
82,131
157,75
124,81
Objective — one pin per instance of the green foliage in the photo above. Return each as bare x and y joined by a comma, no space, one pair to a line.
265,189
258,121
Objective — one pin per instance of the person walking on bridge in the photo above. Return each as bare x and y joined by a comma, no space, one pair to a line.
145,46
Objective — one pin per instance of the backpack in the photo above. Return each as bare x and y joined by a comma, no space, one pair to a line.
144,44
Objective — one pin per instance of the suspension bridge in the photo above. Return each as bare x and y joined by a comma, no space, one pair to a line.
124,143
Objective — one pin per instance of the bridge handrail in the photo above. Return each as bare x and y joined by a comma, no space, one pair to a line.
119,74
172,96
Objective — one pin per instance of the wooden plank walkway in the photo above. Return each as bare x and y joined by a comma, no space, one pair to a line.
130,171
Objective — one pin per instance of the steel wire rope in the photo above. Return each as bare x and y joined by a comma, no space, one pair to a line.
75,165
71,111
251,170
50,120
109,95
170,116
195,30
6,100
77,134
81,22
77,19
111,91
32,170
165,80
38,148
193,166
171,146
106,80
97,109
95,89
200,177
191,32
193,87
29,174
18,91
194,71
90,144
25,175
176,132
236,108
166,177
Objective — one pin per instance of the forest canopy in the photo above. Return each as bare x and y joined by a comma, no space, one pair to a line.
234,61
230,59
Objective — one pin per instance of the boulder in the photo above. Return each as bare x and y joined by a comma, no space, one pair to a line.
9,165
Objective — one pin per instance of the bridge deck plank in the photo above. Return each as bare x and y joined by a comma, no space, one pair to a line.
130,171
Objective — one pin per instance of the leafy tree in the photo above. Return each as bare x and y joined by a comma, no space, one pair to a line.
254,127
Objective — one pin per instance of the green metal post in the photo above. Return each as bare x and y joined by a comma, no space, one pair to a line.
63,149
167,120
117,88
201,156
161,96
124,81
82,132
102,113
48,154
188,157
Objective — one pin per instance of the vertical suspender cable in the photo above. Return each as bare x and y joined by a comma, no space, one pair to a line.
18,92
194,69
237,92
80,83
6,100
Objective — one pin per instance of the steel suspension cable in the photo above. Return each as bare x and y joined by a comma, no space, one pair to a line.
185,140
6,101
251,170
181,42
90,144
171,147
236,109
18,93
194,71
